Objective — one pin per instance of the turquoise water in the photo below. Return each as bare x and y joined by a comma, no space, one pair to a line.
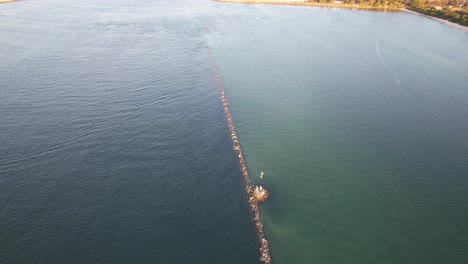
114,147
359,121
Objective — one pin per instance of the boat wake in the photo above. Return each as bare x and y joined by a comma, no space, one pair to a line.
379,54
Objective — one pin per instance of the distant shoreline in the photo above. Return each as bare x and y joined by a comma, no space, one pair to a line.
450,23
304,3
344,6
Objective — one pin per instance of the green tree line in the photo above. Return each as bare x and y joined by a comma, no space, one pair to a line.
452,10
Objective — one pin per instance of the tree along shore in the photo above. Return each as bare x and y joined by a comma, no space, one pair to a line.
453,15
331,4
455,11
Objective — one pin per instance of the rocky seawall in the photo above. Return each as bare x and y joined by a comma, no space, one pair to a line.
252,191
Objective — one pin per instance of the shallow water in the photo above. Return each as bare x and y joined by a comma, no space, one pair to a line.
358,120
115,148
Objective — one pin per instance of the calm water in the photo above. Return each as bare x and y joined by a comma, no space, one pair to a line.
114,147
360,123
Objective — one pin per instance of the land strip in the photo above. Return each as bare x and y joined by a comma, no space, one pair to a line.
450,23
460,24
304,3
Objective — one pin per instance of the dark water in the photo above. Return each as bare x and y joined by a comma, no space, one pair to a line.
114,146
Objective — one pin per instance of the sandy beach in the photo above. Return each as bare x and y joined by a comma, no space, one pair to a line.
455,25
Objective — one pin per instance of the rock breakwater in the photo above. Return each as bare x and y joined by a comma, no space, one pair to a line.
256,194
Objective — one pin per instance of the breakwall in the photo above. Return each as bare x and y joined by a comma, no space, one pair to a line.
265,256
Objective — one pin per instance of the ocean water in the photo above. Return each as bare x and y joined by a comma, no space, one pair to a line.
359,121
114,147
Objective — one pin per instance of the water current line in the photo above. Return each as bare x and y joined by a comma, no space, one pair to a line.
265,256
